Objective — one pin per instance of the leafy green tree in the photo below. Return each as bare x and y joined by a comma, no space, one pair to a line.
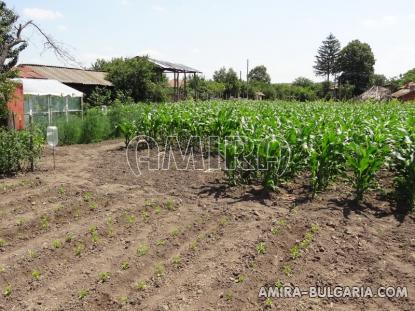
356,66
136,77
304,82
326,58
407,77
12,43
378,80
229,79
259,74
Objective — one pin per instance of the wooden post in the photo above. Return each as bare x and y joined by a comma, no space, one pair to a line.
196,85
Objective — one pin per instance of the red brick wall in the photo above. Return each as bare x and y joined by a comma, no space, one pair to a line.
16,108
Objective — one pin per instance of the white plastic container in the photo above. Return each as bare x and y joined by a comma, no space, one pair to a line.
52,136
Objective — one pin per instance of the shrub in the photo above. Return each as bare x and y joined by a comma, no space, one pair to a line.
70,131
95,127
18,149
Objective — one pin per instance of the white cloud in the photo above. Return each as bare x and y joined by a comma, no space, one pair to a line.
195,51
41,14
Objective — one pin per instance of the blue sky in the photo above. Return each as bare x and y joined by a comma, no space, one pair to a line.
282,35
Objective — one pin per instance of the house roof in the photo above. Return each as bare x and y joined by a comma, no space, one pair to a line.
63,74
407,89
401,93
376,93
172,67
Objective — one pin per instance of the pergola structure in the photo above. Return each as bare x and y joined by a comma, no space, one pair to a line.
176,69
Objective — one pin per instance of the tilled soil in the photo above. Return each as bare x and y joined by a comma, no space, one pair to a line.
103,238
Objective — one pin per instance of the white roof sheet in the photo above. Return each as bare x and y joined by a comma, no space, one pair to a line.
47,87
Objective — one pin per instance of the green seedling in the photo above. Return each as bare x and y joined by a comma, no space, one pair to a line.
125,265
295,252
157,210
193,245
2,269
83,293
93,206
7,291
130,219
61,190
314,228
141,285
69,238
170,205
159,270
223,221
32,254
123,300
20,222
44,222
87,196
268,302
145,215
56,244
104,277
161,242
94,234
142,250
176,260
279,284
2,243
228,295
287,270
175,232
79,249
241,278
261,248
36,274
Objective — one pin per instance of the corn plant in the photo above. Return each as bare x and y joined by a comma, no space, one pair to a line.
364,162
404,165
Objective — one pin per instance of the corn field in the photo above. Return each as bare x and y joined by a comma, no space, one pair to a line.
271,142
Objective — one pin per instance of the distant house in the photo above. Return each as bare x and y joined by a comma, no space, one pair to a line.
82,80
377,93
407,93
259,96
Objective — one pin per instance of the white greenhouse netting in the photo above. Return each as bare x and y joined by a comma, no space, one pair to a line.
42,87
48,101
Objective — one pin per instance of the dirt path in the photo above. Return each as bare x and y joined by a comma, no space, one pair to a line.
183,240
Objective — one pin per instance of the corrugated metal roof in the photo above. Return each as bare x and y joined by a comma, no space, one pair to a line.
401,93
68,75
172,66
376,93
